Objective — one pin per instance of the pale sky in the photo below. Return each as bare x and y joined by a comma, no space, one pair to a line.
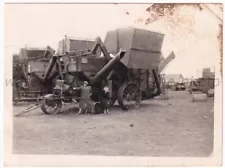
39,25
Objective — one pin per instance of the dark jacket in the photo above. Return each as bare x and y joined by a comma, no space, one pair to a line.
104,96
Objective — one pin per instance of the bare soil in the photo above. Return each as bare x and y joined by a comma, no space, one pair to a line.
174,127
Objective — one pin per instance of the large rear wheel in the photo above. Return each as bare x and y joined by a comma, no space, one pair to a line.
129,96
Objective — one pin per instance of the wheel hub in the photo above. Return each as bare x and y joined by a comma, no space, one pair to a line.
129,97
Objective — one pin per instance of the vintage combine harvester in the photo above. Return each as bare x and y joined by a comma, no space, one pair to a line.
131,73
127,61
28,66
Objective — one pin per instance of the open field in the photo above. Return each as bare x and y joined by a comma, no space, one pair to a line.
174,127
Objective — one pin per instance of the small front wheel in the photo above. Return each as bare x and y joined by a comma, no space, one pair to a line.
51,106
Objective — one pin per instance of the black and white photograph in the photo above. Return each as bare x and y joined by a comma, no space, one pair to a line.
113,84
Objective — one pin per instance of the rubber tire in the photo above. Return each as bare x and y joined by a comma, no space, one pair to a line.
120,96
58,109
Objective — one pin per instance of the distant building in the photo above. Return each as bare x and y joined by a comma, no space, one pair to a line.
174,78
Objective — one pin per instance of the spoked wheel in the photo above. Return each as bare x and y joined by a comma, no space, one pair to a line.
129,96
51,106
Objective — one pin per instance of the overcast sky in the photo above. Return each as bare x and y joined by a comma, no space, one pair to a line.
39,25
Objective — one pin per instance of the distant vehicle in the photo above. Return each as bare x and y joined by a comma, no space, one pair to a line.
202,85
179,86
194,86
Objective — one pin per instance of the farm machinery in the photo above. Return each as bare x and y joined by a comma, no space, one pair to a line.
201,85
127,62
27,70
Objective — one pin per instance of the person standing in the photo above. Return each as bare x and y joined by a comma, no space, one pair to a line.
85,101
104,99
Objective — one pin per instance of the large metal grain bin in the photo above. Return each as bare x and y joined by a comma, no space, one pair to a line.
74,44
143,48
26,53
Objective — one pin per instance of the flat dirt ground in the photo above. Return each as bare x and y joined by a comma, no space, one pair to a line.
174,127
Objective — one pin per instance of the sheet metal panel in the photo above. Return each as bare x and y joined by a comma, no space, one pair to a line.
125,37
120,39
26,53
143,60
61,48
111,42
73,44
143,48
80,44
147,41
39,68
